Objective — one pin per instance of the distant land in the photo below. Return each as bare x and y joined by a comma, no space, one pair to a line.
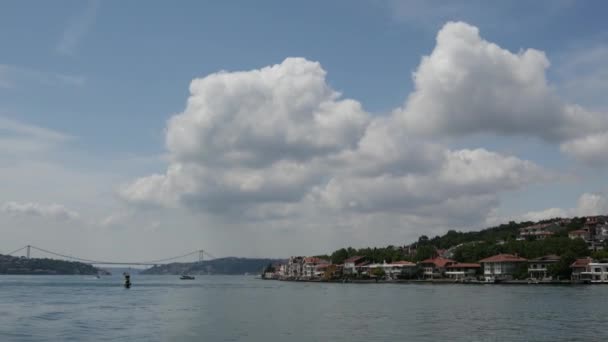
21,265
230,265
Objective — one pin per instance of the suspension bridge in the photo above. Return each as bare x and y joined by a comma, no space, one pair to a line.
198,255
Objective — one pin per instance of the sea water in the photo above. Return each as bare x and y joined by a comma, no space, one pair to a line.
242,308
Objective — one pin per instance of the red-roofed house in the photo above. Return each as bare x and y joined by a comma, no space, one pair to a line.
462,270
435,268
580,233
578,267
500,267
311,266
350,264
537,268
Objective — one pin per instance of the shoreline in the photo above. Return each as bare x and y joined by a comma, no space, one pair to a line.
439,282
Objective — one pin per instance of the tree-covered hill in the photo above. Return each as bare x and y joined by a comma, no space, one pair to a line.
229,265
472,246
20,265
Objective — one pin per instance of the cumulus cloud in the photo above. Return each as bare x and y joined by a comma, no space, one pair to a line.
29,209
468,85
588,204
253,136
272,141
592,149
278,143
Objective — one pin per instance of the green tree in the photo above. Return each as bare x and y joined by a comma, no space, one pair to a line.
521,271
424,252
561,269
339,256
378,272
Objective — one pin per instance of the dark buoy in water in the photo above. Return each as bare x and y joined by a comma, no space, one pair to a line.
127,280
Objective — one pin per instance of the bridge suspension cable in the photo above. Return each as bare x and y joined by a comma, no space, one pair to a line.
17,250
90,261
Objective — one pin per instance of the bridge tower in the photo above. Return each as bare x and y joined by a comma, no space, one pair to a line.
201,255
28,251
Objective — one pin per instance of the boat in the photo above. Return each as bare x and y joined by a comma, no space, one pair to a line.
186,277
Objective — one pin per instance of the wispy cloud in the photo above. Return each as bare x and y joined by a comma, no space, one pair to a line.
13,76
21,139
22,129
30,209
77,28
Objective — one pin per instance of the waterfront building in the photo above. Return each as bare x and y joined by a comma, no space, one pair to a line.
295,267
537,268
435,267
462,271
350,264
578,267
311,269
392,270
500,267
595,272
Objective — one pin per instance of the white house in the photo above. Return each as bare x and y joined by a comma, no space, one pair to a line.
537,268
462,270
310,267
596,272
350,264
500,267
392,270
436,267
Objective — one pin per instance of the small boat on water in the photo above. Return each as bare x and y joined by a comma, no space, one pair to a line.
186,277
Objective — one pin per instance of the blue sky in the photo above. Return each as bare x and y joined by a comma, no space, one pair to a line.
108,75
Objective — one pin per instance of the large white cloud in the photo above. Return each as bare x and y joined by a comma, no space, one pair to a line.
591,149
253,136
468,85
279,142
267,142
29,209
588,204
285,111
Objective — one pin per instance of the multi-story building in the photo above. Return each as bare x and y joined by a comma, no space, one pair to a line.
595,272
350,264
462,270
537,268
310,267
435,267
500,267
538,231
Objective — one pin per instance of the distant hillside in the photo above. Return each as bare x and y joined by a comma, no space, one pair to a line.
20,265
471,245
229,265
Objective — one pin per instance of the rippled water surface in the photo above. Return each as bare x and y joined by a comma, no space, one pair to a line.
235,308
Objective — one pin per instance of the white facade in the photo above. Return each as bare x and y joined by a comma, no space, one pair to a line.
464,272
596,272
392,270
503,270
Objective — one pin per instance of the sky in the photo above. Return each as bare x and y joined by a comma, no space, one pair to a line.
137,131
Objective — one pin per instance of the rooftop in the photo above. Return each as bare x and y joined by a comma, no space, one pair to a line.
439,262
503,258
580,263
315,260
354,259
